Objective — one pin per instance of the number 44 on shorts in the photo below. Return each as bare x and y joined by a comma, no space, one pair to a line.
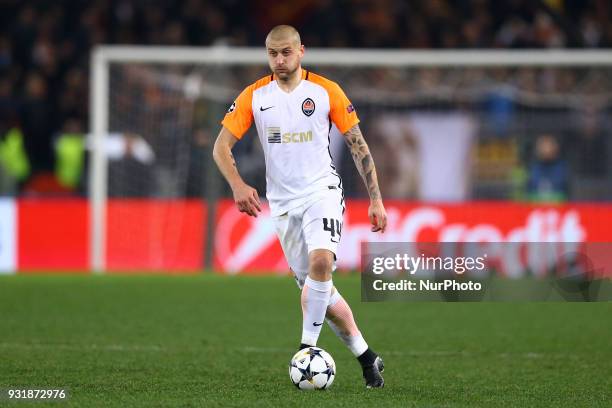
334,227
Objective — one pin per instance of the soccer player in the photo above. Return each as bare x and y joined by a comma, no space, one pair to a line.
293,110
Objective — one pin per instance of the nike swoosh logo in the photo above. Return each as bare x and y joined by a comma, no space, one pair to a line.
317,324
335,242
261,108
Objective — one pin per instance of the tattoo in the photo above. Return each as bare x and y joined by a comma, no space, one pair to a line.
233,160
363,160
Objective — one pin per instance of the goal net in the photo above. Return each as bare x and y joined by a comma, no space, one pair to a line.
442,126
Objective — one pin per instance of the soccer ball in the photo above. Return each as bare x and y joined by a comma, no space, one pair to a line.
312,368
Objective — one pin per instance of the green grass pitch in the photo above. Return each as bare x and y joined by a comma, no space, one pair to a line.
218,341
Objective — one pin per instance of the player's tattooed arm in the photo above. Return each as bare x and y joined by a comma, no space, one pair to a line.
232,159
222,153
363,160
365,165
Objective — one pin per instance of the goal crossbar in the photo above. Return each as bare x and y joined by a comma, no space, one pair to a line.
357,57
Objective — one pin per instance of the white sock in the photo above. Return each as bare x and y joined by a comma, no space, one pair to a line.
315,298
355,342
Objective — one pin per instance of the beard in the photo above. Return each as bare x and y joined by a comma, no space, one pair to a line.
285,73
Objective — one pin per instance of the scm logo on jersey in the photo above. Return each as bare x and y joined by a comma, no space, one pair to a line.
308,106
297,137
274,136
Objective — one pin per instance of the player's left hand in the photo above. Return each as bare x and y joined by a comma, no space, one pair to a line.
377,215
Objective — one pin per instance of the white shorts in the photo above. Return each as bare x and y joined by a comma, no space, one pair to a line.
315,224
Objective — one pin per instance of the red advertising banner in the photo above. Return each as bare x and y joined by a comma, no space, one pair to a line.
155,235
52,235
168,235
142,235
246,244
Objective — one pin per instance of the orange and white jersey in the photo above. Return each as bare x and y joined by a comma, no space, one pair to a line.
294,130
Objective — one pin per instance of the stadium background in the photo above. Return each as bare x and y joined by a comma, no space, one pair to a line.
533,143
531,147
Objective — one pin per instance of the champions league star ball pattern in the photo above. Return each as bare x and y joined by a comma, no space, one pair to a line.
312,368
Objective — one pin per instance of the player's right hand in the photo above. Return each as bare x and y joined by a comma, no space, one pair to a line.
247,199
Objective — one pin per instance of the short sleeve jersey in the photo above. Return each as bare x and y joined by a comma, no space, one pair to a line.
294,130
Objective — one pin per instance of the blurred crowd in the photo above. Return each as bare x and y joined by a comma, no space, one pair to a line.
45,48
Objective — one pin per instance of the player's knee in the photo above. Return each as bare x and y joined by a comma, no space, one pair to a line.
321,266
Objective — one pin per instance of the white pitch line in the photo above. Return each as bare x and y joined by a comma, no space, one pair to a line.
274,350
82,347
250,349
423,353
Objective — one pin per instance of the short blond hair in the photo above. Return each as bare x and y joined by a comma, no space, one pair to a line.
284,32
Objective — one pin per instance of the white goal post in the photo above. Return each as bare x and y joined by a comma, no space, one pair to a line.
103,56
